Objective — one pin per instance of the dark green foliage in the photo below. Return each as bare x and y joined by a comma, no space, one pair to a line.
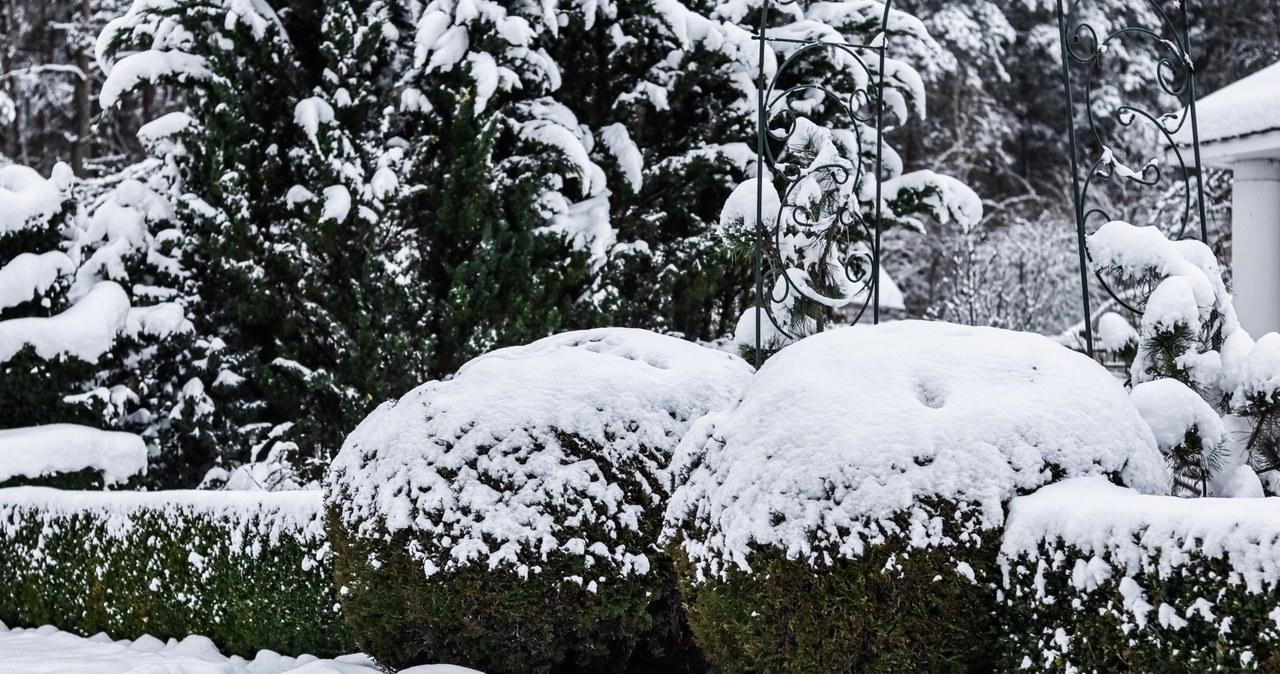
493,280
894,609
89,479
32,390
170,572
1105,637
493,620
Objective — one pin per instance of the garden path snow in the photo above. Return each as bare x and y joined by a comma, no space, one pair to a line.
47,649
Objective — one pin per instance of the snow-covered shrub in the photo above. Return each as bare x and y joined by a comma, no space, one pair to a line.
845,516
1192,345
250,571
508,518
1098,578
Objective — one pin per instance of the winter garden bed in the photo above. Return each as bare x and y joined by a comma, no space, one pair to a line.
874,499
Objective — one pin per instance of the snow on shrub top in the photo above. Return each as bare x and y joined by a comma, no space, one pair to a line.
27,200
1142,533
846,429
66,448
517,419
29,275
1171,410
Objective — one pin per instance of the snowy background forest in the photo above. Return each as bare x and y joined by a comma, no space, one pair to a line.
262,221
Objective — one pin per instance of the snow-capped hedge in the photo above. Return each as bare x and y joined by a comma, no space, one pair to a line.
866,463
510,515
250,570
1098,578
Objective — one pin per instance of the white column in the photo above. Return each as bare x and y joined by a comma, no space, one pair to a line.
1255,245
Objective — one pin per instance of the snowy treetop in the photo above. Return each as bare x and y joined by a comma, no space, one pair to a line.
843,431
551,422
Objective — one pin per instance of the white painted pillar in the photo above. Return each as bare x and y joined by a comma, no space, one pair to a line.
1255,244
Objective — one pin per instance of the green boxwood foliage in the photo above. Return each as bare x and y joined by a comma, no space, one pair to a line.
566,617
894,609
1093,631
250,571
1100,579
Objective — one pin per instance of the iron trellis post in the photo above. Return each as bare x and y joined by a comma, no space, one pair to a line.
1083,48
772,102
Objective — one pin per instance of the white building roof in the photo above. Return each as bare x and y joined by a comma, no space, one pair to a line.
1239,121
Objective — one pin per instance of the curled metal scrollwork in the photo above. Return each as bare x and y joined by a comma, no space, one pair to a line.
851,93
1097,174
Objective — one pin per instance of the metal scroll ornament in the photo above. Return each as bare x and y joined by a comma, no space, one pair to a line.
818,220
1096,50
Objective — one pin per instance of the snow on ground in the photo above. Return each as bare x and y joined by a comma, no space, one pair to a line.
46,649
67,448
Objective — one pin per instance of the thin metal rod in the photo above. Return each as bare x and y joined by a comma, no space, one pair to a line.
1076,196
875,249
1195,127
761,133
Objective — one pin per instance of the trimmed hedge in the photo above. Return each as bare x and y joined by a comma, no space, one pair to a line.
1100,579
894,609
496,621
250,571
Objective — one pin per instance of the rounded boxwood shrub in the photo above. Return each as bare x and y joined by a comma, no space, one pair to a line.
507,519
845,517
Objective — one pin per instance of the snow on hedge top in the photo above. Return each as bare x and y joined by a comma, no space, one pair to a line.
845,429
516,417
28,200
1142,533
273,516
66,448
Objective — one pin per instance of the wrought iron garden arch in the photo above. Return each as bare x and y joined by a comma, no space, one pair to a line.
1084,49
862,104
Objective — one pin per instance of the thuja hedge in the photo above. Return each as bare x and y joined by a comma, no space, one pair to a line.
1098,579
249,570
895,608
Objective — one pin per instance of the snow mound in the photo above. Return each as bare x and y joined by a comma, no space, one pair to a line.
1144,533
47,649
39,451
843,431
28,200
29,275
528,443
1172,410
85,331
